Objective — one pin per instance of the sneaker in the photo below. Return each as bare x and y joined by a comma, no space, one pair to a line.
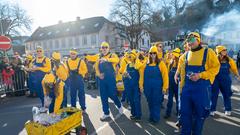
137,119
212,113
84,111
120,110
132,117
104,117
166,116
228,113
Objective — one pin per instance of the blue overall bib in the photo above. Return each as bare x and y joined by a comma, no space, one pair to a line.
223,83
76,85
108,87
38,76
131,86
173,91
153,84
195,100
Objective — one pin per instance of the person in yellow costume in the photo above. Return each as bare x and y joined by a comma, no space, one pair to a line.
173,87
53,91
159,46
28,65
105,70
223,80
60,70
130,72
77,69
40,66
154,80
198,66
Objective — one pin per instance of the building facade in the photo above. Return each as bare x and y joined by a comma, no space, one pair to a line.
85,35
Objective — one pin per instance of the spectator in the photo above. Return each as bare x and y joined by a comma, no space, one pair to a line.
7,74
231,53
238,59
19,76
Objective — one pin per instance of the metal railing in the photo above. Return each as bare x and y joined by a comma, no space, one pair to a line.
15,84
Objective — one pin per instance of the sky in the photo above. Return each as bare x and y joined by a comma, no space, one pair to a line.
49,12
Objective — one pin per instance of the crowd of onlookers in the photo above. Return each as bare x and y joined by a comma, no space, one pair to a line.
13,77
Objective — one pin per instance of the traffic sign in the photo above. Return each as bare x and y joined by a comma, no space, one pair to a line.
5,43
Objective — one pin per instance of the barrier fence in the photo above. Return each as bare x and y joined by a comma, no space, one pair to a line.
13,84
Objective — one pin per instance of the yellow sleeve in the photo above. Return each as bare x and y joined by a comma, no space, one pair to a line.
113,59
212,66
92,58
123,66
97,68
233,67
46,67
164,72
181,69
141,78
62,72
44,88
59,98
83,69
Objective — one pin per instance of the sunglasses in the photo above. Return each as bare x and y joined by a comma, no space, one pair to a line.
224,50
72,53
152,53
39,50
104,47
191,40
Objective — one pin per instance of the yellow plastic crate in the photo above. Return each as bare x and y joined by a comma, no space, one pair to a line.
60,128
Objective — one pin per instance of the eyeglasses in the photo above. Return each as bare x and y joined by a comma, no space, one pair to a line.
191,39
104,47
39,50
152,53
72,53
224,50
160,46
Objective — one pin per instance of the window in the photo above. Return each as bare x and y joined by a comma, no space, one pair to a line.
45,45
41,34
84,40
63,42
70,42
50,44
82,27
93,39
56,44
96,25
142,41
106,38
116,41
77,43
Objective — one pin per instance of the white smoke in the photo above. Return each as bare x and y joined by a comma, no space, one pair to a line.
225,27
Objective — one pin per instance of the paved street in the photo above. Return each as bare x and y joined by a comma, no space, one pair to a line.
15,111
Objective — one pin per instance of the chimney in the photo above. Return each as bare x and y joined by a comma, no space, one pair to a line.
78,18
60,21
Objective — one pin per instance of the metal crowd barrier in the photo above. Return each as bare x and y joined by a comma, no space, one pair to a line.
15,84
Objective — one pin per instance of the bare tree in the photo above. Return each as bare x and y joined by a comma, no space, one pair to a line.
13,20
134,15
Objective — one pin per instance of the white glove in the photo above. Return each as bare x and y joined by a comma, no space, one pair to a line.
47,101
